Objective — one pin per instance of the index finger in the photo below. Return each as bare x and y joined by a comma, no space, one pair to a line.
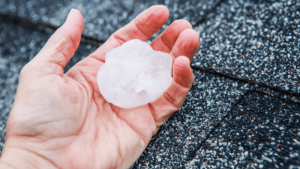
142,27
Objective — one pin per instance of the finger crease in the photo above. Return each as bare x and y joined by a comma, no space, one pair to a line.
119,39
152,111
97,58
141,28
170,99
70,42
180,84
64,56
165,41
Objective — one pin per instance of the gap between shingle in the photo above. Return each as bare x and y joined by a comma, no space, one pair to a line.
193,154
244,80
44,27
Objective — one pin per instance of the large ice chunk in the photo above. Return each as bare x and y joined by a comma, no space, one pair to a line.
134,74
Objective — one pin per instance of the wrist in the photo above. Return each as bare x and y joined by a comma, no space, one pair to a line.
15,158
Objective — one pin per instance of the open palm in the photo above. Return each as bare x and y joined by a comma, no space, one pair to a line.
62,121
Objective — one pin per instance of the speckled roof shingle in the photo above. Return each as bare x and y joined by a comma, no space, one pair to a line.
260,132
102,17
243,108
255,41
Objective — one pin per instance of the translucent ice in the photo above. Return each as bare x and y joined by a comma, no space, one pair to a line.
134,74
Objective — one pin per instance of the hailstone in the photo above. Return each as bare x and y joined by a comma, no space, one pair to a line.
134,74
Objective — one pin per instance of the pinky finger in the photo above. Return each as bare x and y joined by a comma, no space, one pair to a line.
174,97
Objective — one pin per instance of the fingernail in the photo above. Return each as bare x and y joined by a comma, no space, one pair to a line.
71,11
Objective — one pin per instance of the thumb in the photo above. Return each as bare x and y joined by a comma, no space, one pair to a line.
61,46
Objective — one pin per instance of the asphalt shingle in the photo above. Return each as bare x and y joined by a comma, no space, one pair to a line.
258,41
102,17
261,132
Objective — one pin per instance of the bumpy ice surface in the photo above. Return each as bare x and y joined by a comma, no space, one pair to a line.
134,74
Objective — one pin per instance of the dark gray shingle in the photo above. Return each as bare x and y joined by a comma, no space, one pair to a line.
253,40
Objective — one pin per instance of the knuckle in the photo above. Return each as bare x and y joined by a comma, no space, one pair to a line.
173,101
64,46
119,38
166,41
141,27
64,42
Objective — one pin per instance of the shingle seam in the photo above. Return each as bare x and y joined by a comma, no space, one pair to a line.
86,39
192,155
243,80
293,135
286,100
44,27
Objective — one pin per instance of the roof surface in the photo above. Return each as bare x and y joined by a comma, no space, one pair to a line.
243,110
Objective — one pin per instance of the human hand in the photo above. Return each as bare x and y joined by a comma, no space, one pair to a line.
62,121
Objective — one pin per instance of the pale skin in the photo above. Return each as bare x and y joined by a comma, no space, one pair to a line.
62,121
